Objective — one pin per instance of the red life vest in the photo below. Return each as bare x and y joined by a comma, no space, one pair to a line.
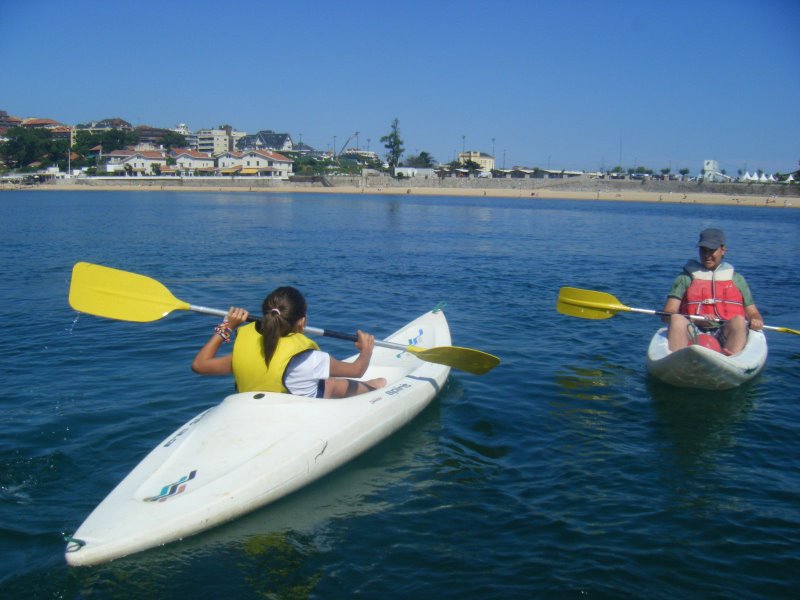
712,293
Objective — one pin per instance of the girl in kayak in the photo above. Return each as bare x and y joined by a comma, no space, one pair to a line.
273,355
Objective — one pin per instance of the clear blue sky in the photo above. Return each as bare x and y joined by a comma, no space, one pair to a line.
569,84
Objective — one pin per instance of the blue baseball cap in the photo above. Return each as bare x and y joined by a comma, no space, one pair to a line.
711,239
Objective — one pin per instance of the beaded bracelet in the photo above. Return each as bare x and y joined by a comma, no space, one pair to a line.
223,331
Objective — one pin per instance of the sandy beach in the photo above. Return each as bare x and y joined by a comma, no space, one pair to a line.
397,188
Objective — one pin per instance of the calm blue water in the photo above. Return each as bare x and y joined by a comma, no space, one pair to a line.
564,472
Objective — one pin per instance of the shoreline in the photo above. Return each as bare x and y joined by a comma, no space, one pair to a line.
554,193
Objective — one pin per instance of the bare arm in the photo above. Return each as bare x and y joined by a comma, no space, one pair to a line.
755,318
672,305
206,362
357,368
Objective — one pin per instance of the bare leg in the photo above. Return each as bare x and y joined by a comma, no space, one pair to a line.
344,388
678,333
735,334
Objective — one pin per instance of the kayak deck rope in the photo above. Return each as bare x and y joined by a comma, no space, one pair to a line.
73,540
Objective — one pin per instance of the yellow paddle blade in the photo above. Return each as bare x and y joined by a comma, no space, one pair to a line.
588,304
116,294
464,359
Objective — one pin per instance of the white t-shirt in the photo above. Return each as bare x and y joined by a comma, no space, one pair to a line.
304,372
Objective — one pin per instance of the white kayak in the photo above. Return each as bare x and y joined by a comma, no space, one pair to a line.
256,447
700,367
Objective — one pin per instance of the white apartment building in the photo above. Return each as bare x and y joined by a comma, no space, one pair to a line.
214,141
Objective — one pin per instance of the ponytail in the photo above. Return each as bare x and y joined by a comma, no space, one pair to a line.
282,309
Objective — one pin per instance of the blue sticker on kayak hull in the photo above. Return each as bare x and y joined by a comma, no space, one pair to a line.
172,489
412,342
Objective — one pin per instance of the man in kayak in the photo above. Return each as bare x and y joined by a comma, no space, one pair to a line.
273,355
710,288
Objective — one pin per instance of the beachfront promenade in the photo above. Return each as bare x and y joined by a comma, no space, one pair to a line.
578,188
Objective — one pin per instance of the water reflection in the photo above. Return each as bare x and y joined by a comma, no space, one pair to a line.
599,383
278,566
698,423
585,398
697,433
585,384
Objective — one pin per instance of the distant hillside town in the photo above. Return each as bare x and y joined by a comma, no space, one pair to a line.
113,147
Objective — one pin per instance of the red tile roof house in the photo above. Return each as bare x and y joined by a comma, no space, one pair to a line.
263,163
191,162
57,130
229,163
134,162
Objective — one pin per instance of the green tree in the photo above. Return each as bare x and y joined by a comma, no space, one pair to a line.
57,153
471,166
116,139
394,144
113,139
309,165
84,142
423,160
173,139
25,146
684,172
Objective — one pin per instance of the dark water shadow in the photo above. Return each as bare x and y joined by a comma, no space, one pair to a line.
696,436
698,423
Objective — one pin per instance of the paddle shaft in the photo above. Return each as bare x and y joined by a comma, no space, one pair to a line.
117,294
312,330
661,313
603,303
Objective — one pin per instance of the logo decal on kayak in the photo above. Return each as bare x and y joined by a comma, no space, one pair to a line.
397,389
172,489
412,342
175,437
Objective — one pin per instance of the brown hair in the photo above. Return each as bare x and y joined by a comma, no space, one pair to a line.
282,309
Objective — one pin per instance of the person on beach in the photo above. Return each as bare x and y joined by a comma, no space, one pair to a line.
711,288
273,355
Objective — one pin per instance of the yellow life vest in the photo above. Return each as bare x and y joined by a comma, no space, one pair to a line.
249,369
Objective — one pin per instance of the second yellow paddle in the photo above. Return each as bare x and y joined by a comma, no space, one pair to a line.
589,304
